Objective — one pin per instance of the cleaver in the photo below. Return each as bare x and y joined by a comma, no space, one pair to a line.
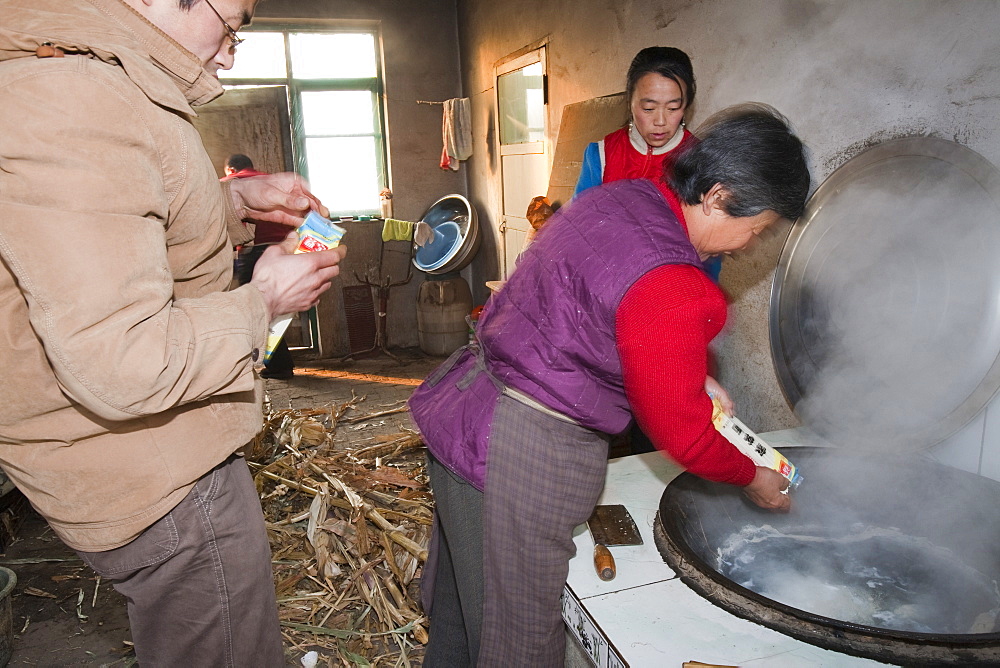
611,525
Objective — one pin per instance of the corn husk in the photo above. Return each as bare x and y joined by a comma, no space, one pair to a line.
348,513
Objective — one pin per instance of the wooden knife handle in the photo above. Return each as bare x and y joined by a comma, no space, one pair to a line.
604,563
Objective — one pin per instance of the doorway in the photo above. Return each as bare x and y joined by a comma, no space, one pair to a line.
254,121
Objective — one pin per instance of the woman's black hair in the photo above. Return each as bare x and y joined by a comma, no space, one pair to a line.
666,61
751,151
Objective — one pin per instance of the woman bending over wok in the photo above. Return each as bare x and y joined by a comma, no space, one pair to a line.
608,315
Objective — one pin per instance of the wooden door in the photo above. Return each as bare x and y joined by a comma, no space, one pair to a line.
252,121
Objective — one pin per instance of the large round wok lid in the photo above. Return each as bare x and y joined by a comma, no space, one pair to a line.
456,236
885,326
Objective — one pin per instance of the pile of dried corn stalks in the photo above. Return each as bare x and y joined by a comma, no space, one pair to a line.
349,520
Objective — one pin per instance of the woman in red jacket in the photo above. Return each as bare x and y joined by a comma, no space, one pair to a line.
660,88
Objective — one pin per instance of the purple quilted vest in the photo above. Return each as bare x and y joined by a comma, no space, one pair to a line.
550,333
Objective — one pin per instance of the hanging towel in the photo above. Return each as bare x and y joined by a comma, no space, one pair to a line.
397,230
403,230
456,130
422,233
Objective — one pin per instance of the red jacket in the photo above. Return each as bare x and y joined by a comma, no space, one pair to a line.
622,161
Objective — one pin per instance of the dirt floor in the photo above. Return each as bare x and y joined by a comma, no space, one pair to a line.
63,615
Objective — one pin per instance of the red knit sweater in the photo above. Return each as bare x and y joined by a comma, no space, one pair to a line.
664,324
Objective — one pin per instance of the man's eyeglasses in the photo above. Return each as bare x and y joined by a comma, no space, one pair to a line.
234,39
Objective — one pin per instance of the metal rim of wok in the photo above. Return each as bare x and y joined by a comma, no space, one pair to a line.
444,210
813,241
881,644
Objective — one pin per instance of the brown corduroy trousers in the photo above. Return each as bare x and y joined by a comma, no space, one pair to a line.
198,582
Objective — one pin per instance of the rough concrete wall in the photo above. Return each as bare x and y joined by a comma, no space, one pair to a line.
420,62
848,73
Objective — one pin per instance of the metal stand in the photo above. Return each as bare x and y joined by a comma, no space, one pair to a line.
373,279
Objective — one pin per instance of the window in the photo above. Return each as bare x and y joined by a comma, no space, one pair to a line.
521,94
334,94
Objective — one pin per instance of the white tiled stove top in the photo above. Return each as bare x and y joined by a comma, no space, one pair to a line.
646,616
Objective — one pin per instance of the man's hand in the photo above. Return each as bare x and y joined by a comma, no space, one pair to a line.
291,283
278,198
766,488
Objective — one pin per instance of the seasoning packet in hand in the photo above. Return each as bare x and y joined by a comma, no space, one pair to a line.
752,445
316,233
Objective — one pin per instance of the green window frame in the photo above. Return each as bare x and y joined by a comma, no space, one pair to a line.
334,147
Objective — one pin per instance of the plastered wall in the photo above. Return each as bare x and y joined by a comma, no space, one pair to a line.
848,73
420,62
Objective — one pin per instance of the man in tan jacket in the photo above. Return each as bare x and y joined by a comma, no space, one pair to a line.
127,366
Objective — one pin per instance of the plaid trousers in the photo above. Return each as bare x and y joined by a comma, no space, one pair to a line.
543,478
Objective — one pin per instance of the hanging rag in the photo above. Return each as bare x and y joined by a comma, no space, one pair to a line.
456,131
422,233
403,230
397,230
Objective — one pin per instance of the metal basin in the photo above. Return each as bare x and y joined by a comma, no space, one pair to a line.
890,558
456,236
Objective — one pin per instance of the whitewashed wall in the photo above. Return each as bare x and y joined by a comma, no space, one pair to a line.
848,73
